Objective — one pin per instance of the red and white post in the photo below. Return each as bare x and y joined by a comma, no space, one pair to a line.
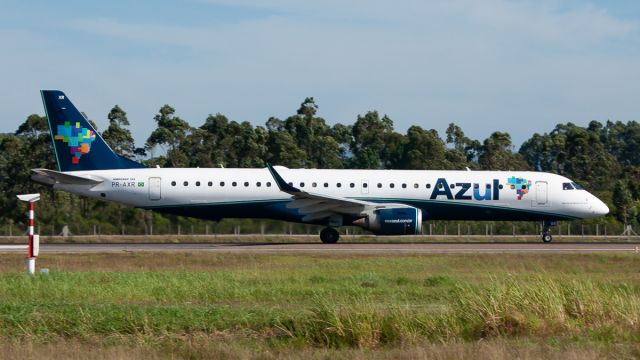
34,239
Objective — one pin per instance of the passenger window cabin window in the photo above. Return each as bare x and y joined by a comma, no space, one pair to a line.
452,186
339,185
440,186
258,184
234,184
379,185
197,183
326,184
404,186
365,185
314,184
301,184
186,183
415,186
173,183
268,184
428,186
352,185
500,187
221,183
246,184
392,185
210,183
488,186
567,186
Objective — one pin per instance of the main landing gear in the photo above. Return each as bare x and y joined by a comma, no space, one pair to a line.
329,235
546,226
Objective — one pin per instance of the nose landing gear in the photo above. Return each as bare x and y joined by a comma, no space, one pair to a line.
329,235
546,226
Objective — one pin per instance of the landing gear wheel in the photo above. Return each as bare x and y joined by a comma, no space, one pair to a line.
546,226
329,235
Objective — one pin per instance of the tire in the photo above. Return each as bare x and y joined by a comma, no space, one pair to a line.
329,236
546,238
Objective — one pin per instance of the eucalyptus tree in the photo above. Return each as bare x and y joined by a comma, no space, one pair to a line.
117,134
170,133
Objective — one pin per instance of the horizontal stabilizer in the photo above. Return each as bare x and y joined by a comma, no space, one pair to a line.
52,177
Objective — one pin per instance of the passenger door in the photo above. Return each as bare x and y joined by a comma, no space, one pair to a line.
542,193
155,192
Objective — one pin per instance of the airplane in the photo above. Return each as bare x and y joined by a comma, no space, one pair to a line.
384,202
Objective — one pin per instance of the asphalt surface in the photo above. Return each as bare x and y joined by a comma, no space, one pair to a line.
371,248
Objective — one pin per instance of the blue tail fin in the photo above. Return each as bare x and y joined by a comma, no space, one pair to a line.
77,145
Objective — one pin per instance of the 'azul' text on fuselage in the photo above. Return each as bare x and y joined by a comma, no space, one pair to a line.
466,191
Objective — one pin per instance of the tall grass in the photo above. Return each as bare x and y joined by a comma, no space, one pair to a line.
501,308
542,306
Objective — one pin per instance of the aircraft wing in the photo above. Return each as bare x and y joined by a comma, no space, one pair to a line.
52,177
316,206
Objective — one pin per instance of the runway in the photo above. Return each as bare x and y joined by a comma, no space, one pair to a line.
364,248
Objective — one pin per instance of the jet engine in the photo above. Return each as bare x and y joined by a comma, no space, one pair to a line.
392,221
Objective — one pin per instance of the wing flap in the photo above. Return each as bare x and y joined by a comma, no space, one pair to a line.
302,203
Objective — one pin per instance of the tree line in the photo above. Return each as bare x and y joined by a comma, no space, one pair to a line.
603,157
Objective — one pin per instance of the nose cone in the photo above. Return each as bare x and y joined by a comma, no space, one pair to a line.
598,207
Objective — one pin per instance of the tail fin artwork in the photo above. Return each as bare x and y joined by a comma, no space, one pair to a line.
77,145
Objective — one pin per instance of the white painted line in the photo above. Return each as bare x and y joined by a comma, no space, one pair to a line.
13,247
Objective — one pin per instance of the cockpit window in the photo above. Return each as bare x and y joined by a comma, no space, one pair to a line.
567,186
577,186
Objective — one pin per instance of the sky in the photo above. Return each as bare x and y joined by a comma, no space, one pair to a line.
492,65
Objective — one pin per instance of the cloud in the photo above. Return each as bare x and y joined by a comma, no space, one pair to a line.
491,65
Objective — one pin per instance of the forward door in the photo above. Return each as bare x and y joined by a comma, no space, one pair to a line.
542,193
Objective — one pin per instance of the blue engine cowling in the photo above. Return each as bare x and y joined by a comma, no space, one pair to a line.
393,221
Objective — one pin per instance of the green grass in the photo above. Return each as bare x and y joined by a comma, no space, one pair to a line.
326,301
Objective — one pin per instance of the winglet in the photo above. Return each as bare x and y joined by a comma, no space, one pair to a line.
282,185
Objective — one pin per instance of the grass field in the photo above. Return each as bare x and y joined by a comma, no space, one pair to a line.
213,305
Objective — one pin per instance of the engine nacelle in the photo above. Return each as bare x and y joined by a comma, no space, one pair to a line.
392,221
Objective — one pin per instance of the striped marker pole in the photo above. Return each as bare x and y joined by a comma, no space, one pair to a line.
31,260
33,239
32,223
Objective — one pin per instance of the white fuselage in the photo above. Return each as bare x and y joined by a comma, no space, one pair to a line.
217,192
